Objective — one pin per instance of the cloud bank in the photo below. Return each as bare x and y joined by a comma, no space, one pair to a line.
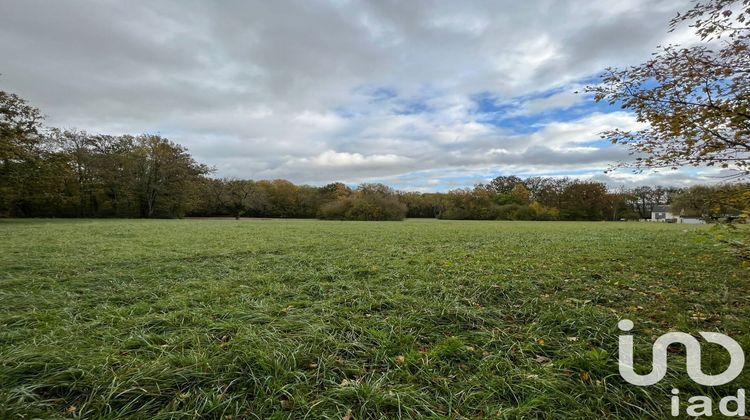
420,95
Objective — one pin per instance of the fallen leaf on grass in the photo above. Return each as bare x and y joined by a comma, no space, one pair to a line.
698,316
349,382
542,359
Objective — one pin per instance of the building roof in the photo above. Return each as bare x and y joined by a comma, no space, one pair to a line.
661,208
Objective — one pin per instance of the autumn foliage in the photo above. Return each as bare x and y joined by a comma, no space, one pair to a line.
693,100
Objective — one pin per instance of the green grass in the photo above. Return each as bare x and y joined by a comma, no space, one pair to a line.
294,319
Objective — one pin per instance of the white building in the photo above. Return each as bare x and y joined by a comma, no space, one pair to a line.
662,213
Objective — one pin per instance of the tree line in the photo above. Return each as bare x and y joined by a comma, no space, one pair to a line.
69,173
555,198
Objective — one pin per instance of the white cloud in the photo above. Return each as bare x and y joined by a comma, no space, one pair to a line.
279,89
332,158
568,97
563,134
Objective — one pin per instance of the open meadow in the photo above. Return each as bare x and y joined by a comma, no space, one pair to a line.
302,318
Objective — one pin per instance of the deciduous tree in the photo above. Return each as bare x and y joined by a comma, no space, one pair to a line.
694,101
20,139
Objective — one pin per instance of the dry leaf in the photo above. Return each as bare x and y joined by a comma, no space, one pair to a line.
348,382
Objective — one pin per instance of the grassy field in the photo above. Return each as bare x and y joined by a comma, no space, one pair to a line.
294,319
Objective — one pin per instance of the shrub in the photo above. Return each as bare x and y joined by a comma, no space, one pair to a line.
368,202
515,212
467,204
333,210
544,213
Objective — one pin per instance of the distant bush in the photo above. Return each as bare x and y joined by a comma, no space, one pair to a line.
368,202
544,213
514,212
334,210
467,204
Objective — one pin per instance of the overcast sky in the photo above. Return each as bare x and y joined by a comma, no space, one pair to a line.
419,95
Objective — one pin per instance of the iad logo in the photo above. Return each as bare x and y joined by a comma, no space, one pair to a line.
693,350
702,406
